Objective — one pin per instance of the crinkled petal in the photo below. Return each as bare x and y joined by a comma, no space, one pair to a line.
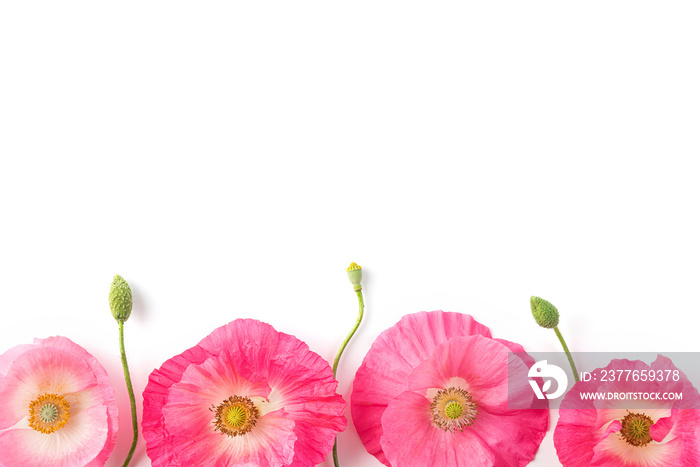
155,396
215,380
56,365
7,358
317,424
39,371
661,429
687,429
245,358
612,428
102,393
483,364
587,433
411,440
302,382
386,368
613,450
76,444
513,436
270,443
480,361
187,413
575,437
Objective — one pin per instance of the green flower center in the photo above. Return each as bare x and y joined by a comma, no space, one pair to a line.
636,429
453,409
235,416
48,413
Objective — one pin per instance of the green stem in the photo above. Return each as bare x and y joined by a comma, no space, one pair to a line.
335,453
352,333
568,354
129,387
358,291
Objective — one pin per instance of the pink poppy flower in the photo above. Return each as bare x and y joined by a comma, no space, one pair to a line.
615,433
59,409
246,395
433,391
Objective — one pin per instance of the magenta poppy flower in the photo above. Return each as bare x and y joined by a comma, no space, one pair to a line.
58,410
433,391
615,433
246,395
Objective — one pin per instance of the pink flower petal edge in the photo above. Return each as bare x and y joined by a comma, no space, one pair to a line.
588,432
56,366
291,387
401,377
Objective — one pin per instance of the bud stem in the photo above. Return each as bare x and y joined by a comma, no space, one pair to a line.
568,354
358,291
352,332
129,387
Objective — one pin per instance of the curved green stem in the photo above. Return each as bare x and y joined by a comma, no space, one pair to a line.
129,387
568,354
352,332
358,290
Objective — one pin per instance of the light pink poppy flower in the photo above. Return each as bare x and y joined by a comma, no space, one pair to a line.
58,410
246,395
615,433
433,391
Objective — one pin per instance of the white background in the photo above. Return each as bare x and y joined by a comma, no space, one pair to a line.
231,160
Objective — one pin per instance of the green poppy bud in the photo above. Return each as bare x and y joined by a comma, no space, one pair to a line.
120,301
544,312
355,275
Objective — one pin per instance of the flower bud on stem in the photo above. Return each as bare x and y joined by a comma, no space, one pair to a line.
547,316
355,276
121,302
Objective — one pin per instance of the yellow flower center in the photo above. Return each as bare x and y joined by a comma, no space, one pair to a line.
48,413
453,409
636,429
235,416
